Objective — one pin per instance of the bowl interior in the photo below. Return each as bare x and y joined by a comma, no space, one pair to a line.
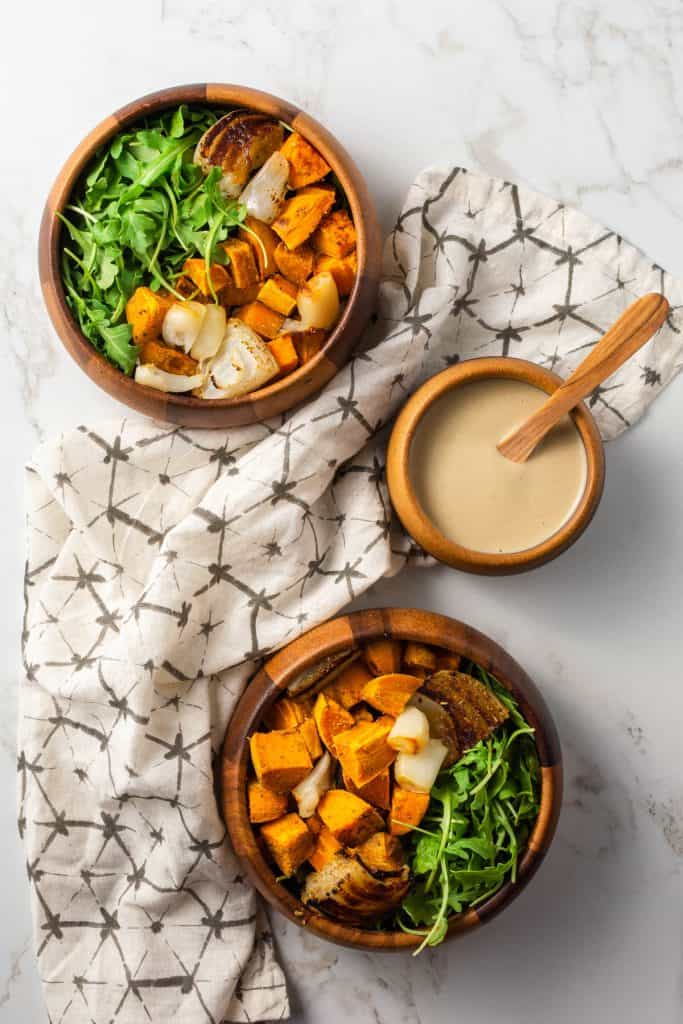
348,632
407,503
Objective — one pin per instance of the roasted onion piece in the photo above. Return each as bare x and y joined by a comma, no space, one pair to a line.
347,891
239,144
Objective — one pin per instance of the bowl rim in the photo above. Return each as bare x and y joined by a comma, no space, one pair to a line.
352,630
408,506
281,395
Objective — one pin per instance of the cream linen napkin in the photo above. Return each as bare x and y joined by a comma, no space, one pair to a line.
162,563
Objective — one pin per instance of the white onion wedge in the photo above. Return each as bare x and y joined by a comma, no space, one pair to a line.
173,383
182,324
311,789
410,732
318,301
211,332
417,772
264,194
242,364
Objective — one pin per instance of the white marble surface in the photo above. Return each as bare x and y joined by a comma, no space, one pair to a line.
581,99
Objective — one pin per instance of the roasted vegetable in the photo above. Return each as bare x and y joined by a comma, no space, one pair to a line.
182,324
419,656
448,660
243,269
407,810
306,165
347,688
280,759
286,713
343,271
474,709
309,734
289,842
145,312
383,656
350,819
285,353
318,676
264,805
265,193
263,241
441,725
335,235
211,333
307,342
363,751
168,359
382,854
301,214
265,322
391,693
173,383
376,792
410,732
326,846
279,294
417,772
310,790
195,269
346,890
318,301
330,719
242,364
294,264
238,143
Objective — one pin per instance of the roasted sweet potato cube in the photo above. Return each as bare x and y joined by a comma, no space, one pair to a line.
347,688
309,732
264,805
285,713
335,235
231,295
279,294
383,656
350,819
343,270
381,853
280,759
145,312
285,353
363,751
331,719
195,269
447,661
263,245
264,321
308,343
391,693
326,846
419,656
301,214
166,358
305,162
188,289
294,264
243,269
289,842
377,791
407,810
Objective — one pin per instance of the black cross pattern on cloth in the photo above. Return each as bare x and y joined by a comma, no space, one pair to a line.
164,563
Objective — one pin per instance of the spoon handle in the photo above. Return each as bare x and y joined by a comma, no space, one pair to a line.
635,326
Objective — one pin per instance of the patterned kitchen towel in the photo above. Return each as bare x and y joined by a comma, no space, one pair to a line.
163,563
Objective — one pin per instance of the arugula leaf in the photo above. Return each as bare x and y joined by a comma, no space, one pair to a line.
118,348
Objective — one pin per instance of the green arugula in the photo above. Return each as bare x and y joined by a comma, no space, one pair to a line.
141,209
480,815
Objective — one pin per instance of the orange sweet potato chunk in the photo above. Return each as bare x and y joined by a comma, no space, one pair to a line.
286,713
195,269
363,751
264,244
376,792
243,269
350,819
308,343
335,235
331,719
264,805
326,846
347,688
343,270
264,321
309,733
447,660
383,656
280,759
294,264
289,842
381,853
306,165
166,358
407,810
285,353
279,294
231,295
301,214
419,656
145,312
391,693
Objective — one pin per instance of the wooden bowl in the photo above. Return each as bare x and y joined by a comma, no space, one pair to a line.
350,631
268,401
407,504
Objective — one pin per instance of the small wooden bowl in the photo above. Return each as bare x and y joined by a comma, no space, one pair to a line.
268,401
350,631
406,502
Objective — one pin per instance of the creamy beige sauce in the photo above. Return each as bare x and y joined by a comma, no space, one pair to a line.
472,493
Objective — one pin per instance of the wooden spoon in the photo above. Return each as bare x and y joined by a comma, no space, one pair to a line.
635,326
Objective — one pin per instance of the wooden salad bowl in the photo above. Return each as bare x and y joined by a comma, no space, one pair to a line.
351,631
274,398
407,504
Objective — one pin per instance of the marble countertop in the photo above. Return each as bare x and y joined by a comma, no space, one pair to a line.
583,100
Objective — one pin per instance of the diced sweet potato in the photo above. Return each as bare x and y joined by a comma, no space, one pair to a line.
347,688
309,732
145,312
363,714
188,289
166,358
280,759
377,791
301,214
263,245
308,343
264,321
306,165
285,713
335,235
195,269
285,353
343,270
231,295
326,846
331,719
391,693
264,805
419,656
383,656
279,294
350,819
289,842
381,853
294,264
363,751
407,810
243,269
448,661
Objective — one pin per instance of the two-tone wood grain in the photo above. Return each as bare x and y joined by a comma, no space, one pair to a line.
353,631
274,398
407,504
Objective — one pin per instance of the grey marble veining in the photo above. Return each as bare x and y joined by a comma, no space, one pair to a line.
584,100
